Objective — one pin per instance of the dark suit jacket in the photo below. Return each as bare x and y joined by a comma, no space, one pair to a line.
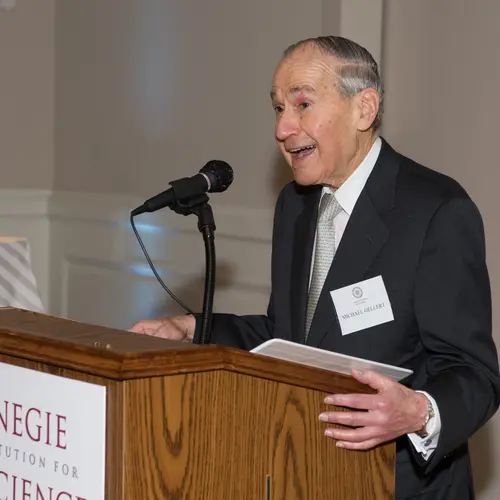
421,232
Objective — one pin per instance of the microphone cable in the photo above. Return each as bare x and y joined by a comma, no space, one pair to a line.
184,306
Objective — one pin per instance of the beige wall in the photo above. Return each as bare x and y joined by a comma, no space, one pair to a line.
441,72
26,95
149,91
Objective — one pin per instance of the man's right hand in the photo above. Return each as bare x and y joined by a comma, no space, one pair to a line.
180,328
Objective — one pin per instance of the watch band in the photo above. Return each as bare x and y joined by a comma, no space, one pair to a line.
423,432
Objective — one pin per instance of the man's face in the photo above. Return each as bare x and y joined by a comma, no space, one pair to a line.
316,128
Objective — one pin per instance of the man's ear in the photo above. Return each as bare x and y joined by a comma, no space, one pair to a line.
368,102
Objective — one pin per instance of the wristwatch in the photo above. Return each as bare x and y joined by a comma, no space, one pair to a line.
422,432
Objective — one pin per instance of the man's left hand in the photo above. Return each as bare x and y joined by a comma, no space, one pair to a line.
394,411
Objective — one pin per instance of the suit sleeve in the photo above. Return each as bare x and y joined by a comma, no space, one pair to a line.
245,332
242,332
453,310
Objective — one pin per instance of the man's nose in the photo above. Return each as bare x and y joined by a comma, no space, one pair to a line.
287,124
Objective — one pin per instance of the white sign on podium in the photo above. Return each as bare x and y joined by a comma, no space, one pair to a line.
52,436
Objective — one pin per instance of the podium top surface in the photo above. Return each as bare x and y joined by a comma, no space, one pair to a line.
123,355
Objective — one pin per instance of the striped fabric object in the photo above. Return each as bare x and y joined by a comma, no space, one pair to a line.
17,282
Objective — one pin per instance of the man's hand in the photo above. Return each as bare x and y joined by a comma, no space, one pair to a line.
394,411
179,328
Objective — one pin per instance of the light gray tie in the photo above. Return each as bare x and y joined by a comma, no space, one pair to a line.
324,252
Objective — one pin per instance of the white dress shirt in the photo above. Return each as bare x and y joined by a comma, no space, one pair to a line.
347,195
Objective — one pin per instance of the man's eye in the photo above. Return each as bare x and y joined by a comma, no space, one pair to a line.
304,105
278,108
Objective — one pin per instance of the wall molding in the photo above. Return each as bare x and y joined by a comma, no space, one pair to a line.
96,260
104,208
24,202
363,22
89,265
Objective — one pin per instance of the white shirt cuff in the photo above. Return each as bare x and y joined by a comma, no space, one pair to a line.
426,446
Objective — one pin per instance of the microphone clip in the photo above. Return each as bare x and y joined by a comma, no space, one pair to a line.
197,205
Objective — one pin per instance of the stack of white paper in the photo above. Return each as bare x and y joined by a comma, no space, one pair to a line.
327,360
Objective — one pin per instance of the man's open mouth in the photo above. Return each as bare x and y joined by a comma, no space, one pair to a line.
302,151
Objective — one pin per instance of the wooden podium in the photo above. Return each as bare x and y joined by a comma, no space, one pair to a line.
202,422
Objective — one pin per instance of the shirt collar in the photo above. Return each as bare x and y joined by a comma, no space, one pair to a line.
347,195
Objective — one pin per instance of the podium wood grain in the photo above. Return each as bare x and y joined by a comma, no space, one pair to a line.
203,422
218,435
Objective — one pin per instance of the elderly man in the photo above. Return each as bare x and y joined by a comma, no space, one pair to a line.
361,217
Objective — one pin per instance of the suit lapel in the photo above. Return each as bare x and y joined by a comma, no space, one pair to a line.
303,242
363,239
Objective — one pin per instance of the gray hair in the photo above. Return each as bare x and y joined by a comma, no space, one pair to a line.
357,71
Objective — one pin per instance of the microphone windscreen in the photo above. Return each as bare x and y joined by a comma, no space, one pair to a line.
220,175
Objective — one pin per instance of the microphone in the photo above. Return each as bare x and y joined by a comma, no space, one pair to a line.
215,177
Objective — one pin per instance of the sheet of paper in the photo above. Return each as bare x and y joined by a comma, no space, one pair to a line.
327,360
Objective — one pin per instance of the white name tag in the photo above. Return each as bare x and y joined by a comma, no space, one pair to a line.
362,305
